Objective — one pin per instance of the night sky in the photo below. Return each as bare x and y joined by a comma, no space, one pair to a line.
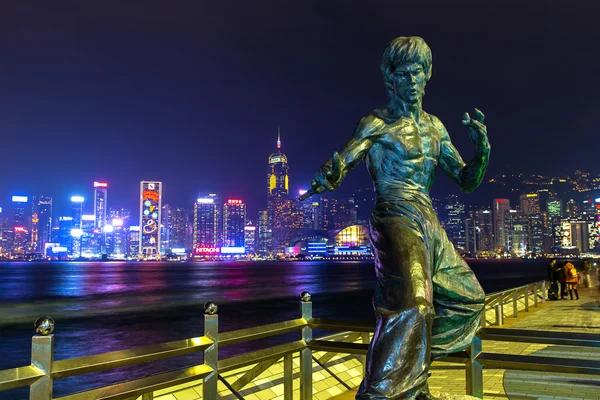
191,92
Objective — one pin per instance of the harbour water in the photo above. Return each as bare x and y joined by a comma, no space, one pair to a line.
106,306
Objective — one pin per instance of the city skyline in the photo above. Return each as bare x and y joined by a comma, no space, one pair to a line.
118,95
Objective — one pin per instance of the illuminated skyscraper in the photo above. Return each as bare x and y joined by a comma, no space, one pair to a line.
277,177
206,225
44,212
180,237
100,204
486,231
573,209
134,241
250,238
167,227
536,225
76,211
516,231
19,227
554,208
500,207
264,233
455,221
530,203
364,200
150,210
278,208
234,221
338,212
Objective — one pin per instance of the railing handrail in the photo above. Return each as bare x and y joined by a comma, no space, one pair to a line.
259,332
491,297
114,359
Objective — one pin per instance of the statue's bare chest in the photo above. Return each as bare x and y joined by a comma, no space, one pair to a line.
410,140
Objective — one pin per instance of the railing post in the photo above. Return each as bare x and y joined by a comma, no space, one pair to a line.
515,297
483,317
366,339
211,354
526,298
474,370
544,292
499,315
535,294
288,377
42,357
306,354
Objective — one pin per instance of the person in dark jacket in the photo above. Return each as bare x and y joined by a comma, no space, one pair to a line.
553,278
560,276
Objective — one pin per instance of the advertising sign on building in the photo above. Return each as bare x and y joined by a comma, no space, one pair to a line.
150,206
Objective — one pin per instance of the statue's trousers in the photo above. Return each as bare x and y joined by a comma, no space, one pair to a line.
427,300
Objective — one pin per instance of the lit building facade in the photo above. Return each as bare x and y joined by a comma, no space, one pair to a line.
100,204
20,231
134,241
180,232
338,212
76,210
279,209
455,221
150,210
530,203
206,225
44,214
234,221
499,208
250,238
264,233
166,228
516,229
277,177
536,226
364,200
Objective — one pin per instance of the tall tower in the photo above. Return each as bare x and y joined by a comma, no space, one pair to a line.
150,210
278,211
100,204
277,176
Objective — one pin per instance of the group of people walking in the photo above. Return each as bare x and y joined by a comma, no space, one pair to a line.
564,279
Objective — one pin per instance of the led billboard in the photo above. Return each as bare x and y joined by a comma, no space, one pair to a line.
150,205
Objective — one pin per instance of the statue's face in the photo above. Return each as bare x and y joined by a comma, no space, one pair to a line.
409,82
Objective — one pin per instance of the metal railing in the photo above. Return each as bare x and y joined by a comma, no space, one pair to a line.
498,300
39,376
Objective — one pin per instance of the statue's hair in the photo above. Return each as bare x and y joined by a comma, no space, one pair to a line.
404,50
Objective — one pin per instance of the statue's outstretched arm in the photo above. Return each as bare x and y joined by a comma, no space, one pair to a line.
466,176
332,173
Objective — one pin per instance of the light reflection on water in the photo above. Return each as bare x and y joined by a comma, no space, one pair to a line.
101,307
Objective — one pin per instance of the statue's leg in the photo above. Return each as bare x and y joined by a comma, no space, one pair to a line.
458,299
399,354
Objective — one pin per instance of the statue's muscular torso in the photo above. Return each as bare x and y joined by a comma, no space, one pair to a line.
404,154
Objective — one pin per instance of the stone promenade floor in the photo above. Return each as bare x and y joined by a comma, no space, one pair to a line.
343,373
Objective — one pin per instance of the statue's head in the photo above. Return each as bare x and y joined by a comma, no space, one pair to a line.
406,68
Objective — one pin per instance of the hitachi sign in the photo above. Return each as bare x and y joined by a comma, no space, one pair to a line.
207,250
